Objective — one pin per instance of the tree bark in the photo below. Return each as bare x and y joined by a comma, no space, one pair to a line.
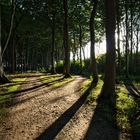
53,45
80,42
74,48
92,38
118,39
131,38
13,56
108,89
3,79
127,44
11,27
66,45
1,65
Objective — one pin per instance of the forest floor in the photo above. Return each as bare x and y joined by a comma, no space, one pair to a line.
56,109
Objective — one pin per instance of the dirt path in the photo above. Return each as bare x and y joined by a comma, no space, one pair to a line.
34,111
44,113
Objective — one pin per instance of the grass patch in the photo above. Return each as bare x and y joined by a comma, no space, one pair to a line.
85,85
62,82
7,88
50,78
95,92
11,87
56,80
127,106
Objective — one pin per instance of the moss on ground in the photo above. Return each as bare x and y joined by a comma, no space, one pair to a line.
8,88
56,80
127,107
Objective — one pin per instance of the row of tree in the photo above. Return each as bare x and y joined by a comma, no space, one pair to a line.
41,33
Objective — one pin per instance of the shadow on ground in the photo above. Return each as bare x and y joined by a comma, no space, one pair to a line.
58,125
135,117
103,125
16,102
14,83
33,88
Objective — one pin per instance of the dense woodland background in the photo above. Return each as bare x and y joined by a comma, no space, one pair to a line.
33,35
49,36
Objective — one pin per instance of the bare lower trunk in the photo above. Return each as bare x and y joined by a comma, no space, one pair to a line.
1,66
131,39
53,45
66,45
108,90
3,79
74,48
84,57
92,38
80,42
11,27
127,43
118,40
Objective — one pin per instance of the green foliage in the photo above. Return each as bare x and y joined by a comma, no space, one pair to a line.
95,92
60,66
11,87
127,107
8,88
5,2
56,80
101,63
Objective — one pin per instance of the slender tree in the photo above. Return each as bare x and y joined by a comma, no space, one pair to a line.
53,44
80,44
118,34
1,66
3,79
126,40
66,45
108,89
92,38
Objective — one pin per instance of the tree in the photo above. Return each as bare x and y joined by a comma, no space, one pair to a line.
92,38
3,79
126,40
66,43
118,35
108,89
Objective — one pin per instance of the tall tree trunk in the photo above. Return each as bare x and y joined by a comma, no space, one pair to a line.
80,42
1,65
131,38
3,79
127,43
74,48
66,45
13,56
137,48
108,89
92,38
53,45
11,27
84,57
118,39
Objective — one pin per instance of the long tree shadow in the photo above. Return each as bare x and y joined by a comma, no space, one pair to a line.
14,83
103,125
57,126
8,99
16,102
133,90
33,88
134,118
